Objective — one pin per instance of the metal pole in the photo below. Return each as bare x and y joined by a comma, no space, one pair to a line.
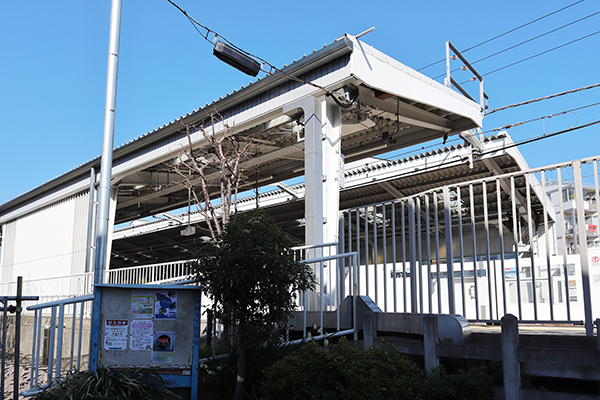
107,142
17,338
447,81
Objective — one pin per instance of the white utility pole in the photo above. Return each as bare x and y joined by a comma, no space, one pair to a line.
107,143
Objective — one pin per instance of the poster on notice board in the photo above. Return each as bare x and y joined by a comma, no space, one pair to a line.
165,304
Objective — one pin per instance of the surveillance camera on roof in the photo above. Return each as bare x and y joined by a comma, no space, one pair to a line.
189,231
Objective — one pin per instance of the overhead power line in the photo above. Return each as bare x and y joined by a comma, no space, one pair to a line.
542,98
535,55
508,126
505,33
458,161
524,42
549,135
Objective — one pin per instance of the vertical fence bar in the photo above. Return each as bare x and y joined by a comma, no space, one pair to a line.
338,300
39,346
474,245
563,242
384,249
449,257
375,250
81,310
304,314
583,250
394,286
322,302
350,272
34,349
461,250
547,243
51,345
487,246
4,315
366,216
412,250
437,251
501,237
597,205
73,336
428,244
354,296
403,228
341,284
531,247
419,252
516,241
329,287
59,340
358,247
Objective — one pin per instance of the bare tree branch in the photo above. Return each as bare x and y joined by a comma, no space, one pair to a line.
225,155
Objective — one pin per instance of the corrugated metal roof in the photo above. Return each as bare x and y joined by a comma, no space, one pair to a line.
317,57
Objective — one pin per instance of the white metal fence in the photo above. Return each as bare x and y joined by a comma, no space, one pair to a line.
49,340
505,245
524,243
155,273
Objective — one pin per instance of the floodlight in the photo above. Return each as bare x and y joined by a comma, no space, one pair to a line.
236,58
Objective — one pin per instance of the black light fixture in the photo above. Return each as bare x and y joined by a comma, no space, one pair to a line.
236,58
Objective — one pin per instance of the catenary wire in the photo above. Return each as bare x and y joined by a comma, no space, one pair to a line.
542,98
534,56
506,33
508,126
523,42
393,154
495,150
535,139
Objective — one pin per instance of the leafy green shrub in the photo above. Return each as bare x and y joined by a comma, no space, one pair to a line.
474,383
345,371
104,383
221,373
252,278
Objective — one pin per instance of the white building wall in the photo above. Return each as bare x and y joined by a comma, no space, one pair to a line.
47,243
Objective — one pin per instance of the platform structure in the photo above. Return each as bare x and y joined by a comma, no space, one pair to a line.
349,101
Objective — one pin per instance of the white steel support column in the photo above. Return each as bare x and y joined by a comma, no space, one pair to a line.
331,138
313,173
322,165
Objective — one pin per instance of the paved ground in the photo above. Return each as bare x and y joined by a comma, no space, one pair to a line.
24,375
528,329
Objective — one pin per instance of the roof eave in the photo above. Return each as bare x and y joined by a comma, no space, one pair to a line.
320,57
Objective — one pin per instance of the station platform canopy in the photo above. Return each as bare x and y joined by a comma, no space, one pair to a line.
386,106
368,181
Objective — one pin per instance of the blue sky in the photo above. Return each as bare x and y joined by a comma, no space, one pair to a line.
54,54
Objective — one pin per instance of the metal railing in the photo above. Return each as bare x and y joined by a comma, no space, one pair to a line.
329,293
56,287
155,273
483,249
55,340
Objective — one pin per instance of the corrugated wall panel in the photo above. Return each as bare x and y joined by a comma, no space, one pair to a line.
8,250
49,242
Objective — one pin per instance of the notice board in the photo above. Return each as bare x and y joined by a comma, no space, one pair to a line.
147,326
